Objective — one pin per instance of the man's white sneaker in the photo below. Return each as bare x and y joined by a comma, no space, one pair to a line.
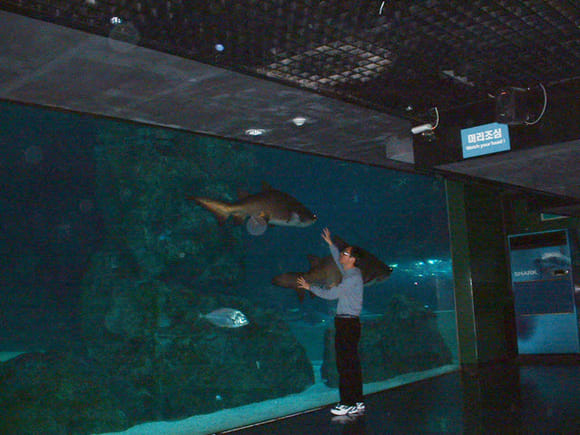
344,409
360,407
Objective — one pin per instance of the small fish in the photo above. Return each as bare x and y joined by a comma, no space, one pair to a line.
226,318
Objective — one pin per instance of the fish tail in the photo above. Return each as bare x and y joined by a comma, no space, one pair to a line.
300,292
221,210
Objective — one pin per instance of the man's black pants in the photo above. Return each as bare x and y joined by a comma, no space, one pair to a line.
346,339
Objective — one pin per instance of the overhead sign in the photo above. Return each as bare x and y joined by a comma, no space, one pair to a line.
485,139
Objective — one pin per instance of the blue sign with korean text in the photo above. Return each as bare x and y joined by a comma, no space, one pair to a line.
485,139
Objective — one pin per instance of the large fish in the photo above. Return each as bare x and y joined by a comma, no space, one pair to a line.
324,271
270,206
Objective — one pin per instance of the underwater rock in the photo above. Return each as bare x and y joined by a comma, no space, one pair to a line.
144,181
213,368
142,325
141,322
166,361
56,393
405,339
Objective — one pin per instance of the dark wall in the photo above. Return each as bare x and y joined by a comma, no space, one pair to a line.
484,303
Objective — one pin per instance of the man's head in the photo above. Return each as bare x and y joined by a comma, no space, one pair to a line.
349,256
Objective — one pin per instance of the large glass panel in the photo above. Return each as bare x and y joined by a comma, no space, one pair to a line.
131,292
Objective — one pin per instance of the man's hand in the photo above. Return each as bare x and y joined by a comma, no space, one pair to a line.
302,283
326,236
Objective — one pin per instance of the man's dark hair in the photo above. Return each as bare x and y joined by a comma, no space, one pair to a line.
355,252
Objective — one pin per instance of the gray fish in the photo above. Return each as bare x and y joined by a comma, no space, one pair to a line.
226,318
272,206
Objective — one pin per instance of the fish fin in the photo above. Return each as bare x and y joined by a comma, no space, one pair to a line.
300,292
294,217
266,219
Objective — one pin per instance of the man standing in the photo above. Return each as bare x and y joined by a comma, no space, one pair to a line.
346,324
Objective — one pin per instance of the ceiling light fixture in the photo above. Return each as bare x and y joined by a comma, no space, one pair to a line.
299,121
255,131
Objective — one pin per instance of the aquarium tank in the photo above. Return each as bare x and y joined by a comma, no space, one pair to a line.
148,276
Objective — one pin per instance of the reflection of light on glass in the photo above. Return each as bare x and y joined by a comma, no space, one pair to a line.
219,47
256,225
124,36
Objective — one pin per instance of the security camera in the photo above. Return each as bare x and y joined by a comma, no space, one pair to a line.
421,128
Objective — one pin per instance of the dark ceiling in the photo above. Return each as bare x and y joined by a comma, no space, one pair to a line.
386,60
402,57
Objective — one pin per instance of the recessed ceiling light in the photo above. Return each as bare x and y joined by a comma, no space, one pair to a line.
299,121
255,131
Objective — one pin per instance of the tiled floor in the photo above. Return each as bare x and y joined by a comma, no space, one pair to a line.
533,397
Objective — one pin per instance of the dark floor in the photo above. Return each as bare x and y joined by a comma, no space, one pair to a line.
524,397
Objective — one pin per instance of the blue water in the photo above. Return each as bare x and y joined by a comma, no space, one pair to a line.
399,217
50,217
